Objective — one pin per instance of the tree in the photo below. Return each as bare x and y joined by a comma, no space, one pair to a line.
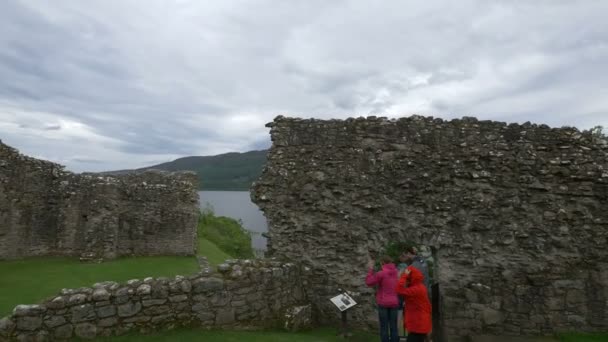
598,132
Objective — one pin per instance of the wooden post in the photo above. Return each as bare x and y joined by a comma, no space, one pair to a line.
344,333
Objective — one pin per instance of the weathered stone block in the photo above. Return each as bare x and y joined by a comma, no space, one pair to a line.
29,323
57,303
246,316
151,302
63,332
180,307
207,285
156,310
77,299
55,321
108,322
100,294
81,313
178,298
224,316
28,310
205,316
220,299
574,297
185,286
129,309
137,319
200,307
102,303
106,311
161,319
240,303
491,316
144,290
6,326
86,330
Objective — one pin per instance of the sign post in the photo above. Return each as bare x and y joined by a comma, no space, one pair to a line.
343,302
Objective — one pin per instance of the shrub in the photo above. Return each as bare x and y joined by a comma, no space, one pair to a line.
226,233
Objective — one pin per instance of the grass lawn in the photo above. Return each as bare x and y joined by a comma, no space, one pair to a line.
215,255
31,280
318,335
578,337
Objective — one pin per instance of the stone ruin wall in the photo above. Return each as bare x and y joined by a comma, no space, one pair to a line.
243,294
45,210
517,216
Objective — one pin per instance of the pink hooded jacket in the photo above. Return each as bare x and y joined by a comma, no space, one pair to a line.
386,281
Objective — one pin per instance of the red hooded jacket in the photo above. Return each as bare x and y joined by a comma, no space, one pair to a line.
386,281
417,313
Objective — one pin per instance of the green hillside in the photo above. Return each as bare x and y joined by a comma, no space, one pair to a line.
230,171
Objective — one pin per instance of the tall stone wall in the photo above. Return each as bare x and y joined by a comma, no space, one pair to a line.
243,294
45,210
517,215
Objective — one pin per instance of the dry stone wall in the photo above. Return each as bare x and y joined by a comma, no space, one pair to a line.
516,215
45,210
243,294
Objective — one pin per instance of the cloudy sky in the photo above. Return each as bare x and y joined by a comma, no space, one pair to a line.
113,84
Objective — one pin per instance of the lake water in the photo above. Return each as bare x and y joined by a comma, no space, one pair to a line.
238,205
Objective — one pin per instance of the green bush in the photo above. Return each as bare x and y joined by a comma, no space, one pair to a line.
226,233
395,249
599,132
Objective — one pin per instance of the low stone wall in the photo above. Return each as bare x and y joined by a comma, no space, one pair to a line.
45,210
243,294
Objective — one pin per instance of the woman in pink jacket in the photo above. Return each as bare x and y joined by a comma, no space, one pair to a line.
385,282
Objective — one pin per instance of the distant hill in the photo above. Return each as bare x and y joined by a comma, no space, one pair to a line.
229,171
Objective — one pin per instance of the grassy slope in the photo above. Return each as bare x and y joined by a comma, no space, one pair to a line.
230,171
212,252
31,280
321,335
227,234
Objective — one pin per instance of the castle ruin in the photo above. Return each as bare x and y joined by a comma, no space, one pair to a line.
516,216
45,210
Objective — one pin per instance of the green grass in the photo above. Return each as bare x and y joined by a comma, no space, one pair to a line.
215,255
32,280
226,233
579,337
319,335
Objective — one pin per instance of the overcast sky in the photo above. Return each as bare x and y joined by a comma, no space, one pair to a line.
113,84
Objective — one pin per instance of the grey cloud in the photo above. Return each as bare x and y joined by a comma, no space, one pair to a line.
87,160
131,83
261,144
52,127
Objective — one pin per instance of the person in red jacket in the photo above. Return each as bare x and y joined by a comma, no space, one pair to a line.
385,282
417,312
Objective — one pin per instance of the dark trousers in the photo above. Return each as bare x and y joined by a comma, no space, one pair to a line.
413,337
388,324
